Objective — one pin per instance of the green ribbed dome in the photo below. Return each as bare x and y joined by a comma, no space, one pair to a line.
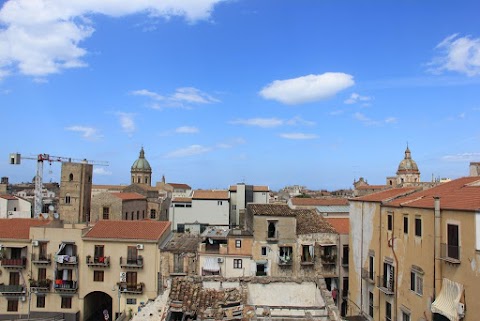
141,164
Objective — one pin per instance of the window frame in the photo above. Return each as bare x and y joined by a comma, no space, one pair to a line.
389,221
98,276
66,302
416,282
370,304
12,305
40,301
238,244
237,263
405,224
106,213
418,226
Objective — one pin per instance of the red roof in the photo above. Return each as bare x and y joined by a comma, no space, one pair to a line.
133,230
179,185
18,228
385,195
459,194
8,197
129,196
342,225
210,195
319,201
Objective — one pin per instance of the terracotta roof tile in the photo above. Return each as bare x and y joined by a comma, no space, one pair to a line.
8,197
131,230
129,196
385,195
318,201
341,225
459,194
210,195
271,210
180,185
309,221
19,228
183,243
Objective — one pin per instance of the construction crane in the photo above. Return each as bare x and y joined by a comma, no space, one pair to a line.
15,159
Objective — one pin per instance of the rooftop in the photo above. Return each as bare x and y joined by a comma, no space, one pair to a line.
132,230
19,228
309,221
180,185
341,224
182,243
210,195
385,195
129,196
271,210
299,201
233,188
8,197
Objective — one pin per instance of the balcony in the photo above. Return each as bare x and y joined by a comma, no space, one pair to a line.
41,285
386,285
131,288
98,261
41,259
307,260
329,259
285,260
63,286
368,275
9,290
14,263
66,260
450,253
132,263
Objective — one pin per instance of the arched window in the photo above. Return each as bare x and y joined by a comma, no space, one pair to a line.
67,199
70,177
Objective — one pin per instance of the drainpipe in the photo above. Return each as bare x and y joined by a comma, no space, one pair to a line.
395,284
361,266
437,269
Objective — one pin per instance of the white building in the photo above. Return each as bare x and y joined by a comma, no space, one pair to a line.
14,207
241,195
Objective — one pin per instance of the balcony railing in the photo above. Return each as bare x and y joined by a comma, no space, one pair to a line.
285,261
98,261
132,288
450,253
67,259
41,285
14,263
386,285
135,262
368,275
12,289
329,259
41,259
65,286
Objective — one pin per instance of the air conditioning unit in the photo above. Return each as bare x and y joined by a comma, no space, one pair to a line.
220,259
461,309
35,243
9,213
139,246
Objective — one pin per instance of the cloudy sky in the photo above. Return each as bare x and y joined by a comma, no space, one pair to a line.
314,92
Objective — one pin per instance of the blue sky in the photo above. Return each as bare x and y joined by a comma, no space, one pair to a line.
315,93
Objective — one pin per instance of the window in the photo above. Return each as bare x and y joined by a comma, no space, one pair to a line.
131,301
98,276
181,228
219,203
370,304
106,213
453,249
388,311
237,263
66,302
132,255
70,177
42,274
12,305
153,213
146,180
345,253
388,276
405,316
405,224
99,251
307,253
238,243
418,226
138,215
389,222
40,301
131,279
264,250
285,255
67,199
234,207
138,180
370,267
416,281
272,230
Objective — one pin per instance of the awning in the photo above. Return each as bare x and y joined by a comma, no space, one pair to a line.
211,265
447,301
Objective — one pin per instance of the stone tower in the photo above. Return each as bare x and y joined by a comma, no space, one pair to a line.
408,173
75,192
141,171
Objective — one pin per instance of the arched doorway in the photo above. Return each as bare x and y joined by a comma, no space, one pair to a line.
94,305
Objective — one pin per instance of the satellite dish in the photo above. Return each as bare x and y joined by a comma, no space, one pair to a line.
56,216
51,208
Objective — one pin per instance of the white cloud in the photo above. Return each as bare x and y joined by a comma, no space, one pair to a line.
308,88
189,151
127,122
232,143
336,112
260,122
186,130
465,157
101,171
181,98
355,98
42,37
299,121
298,136
458,54
88,133
372,122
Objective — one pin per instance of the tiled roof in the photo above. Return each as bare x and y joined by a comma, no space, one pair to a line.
385,195
129,196
182,200
458,194
180,185
8,197
18,228
298,201
131,230
233,188
271,209
309,221
183,243
111,187
210,195
341,225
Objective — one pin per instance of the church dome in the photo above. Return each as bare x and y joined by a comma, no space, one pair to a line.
407,165
141,164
